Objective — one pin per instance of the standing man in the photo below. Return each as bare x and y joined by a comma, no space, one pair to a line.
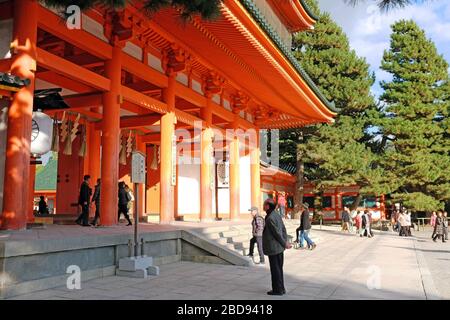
346,219
96,200
274,243
84,201
305,226
257,231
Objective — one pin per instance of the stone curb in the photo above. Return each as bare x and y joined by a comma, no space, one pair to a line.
431,293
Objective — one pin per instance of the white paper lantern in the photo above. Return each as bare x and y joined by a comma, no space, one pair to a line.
41,133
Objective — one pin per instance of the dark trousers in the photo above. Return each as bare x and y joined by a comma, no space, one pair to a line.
84,216
439,236
97,214
276,272
258,241
445,233
123,208
297,232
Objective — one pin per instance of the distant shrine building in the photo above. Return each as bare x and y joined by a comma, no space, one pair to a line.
196,97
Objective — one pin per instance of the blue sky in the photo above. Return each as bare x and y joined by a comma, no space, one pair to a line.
368,29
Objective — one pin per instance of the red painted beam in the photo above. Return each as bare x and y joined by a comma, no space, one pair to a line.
71,70
51,23
63,82
129,122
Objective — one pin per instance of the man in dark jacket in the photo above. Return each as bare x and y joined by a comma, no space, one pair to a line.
124,198
305,226
84,201
96,200
274,243
257,232
345,215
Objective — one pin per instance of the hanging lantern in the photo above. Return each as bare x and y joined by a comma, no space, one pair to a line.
82,151
68,147
154,164
41,133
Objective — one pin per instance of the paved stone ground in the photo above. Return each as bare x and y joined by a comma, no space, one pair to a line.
343,266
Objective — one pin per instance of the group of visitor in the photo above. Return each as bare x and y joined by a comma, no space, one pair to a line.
401,222
125,199
439,223
362,220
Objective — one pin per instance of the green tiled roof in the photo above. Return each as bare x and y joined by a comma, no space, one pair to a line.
265,25
46,176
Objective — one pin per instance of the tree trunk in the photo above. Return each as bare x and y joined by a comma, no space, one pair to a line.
299,185
356,203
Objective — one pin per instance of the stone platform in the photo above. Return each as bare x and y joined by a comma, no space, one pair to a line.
42,258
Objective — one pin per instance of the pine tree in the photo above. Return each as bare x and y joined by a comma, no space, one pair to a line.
334,154
416,123
208,9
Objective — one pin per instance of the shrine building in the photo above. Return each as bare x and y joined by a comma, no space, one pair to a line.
196,97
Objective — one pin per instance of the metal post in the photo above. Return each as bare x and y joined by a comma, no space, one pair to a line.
129,248
136,219
142,246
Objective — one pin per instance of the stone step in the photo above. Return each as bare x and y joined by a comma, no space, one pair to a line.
230,233
222,241
214,229
242,237
211,236
242,245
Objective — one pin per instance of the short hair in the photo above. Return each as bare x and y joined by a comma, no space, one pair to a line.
98,180
86,177
42,197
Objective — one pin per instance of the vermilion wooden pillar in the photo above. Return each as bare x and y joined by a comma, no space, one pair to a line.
110,140
167,132
234,178
255,178
94,153
206,163
17,164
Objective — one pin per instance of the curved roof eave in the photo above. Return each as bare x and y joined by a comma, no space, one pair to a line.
262,22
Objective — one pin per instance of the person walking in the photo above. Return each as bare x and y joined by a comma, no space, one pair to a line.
131,194
124,199
433,222
305,227
445,225
358,223
96,200
84,201
43,208
274,243
439,227
345,219
353,214
408,223
365,222
403,224
257,232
